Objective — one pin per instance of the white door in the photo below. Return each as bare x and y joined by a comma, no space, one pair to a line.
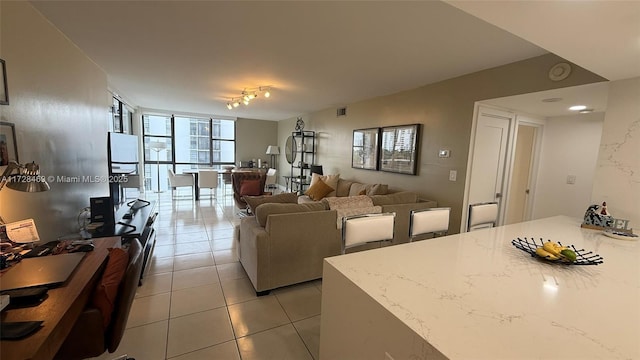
520,190
489,157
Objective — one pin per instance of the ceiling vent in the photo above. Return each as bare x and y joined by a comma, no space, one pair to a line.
341,111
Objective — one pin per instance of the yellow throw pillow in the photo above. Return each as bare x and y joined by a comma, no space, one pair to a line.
331,180
318,190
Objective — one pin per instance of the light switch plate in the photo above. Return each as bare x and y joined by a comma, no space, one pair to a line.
453,175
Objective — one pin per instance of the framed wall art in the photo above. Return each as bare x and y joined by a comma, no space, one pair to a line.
4,90
399,149
8,145
364,153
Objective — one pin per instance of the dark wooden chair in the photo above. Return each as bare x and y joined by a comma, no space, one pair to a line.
88,337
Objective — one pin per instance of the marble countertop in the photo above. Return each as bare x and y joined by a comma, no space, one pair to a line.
474,295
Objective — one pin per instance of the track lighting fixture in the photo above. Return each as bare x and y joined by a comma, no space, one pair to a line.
247,95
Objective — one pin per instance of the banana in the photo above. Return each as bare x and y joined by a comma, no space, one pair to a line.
552,248
553,251
543,253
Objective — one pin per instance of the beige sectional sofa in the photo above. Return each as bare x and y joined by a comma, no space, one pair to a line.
285,243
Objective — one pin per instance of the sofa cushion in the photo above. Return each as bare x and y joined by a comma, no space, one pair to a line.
378,189
331,180
263,211
250,187
318,190
367,189
349,202
255,201
403,197
343,187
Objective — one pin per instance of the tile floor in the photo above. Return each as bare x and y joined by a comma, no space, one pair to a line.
196,301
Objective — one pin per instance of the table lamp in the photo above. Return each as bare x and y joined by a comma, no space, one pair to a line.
27,179
273,150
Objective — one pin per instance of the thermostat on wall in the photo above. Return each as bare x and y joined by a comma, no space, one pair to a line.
443,153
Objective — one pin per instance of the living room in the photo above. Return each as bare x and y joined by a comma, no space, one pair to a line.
59,99
73,95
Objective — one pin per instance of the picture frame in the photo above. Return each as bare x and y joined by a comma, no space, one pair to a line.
4,89
399,149
365,149
8,144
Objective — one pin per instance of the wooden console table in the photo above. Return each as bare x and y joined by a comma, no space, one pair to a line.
59,310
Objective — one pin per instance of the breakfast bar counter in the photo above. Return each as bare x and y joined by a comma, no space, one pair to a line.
476,296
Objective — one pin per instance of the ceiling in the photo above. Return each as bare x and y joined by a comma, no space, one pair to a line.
593,96
193,56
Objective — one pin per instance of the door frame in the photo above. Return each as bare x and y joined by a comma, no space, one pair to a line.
526,120
518,118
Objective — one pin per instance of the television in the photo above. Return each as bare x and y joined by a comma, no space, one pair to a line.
122,154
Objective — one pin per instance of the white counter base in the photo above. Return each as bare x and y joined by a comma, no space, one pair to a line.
475,296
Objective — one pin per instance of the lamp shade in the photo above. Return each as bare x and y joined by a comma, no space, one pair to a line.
273,150
28,178
29,186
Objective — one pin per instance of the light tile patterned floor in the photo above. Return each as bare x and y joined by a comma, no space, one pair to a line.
196,301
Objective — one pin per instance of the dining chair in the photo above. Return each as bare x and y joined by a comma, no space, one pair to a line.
270,183
208,179
359,230
179,180
133,182
482,214
428,221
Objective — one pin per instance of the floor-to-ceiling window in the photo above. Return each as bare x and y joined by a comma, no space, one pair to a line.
185,143
121,117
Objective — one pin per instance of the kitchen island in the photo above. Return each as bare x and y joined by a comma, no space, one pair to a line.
475,296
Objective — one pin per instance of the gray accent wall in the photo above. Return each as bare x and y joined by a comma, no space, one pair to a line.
253,137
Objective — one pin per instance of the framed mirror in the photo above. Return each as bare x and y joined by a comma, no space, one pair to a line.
290,148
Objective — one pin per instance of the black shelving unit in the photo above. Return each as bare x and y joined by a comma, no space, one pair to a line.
304,155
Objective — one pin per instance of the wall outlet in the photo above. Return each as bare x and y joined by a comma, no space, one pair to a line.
571,179
453,175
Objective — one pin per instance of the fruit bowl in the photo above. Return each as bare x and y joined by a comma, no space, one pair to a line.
583,257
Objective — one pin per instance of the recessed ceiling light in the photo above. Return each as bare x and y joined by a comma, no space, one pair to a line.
577,107
551,100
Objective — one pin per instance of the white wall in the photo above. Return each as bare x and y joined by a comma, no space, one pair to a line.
570,147
59,105
617,175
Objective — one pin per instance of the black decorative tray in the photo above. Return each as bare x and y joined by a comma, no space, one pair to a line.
583,257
